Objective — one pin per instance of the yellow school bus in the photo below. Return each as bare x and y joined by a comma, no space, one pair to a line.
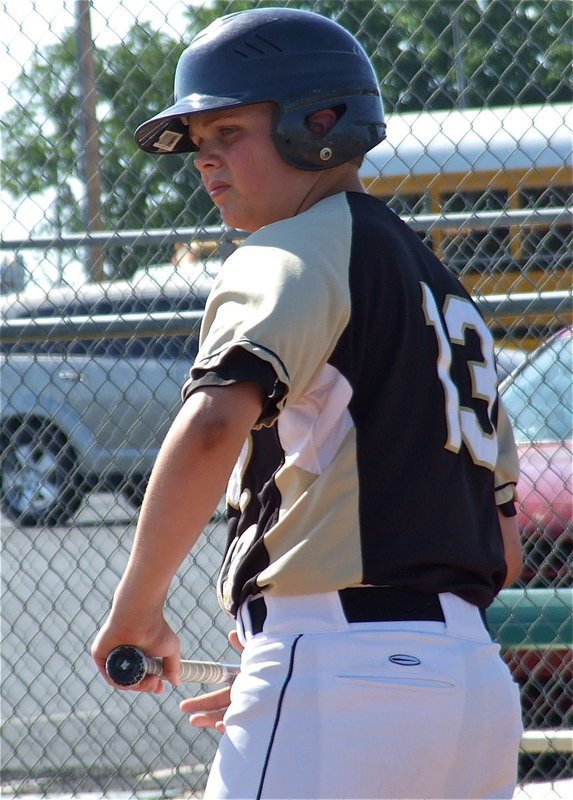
490,191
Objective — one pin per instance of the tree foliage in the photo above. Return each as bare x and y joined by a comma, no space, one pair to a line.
510,51
513,51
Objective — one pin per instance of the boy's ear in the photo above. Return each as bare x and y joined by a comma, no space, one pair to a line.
321,122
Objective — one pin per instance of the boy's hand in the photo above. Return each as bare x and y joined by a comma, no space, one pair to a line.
208,710
162,642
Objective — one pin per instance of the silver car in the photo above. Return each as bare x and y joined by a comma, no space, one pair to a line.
78,414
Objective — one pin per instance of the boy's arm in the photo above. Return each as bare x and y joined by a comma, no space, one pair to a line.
187,482
506,477
511,547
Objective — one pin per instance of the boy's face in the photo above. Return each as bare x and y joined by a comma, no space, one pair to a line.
242,170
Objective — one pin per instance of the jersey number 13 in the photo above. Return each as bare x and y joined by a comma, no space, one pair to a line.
462,421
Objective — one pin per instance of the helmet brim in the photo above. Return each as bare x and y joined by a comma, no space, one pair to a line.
167,133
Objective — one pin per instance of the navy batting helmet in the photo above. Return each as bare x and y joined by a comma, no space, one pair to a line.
300,61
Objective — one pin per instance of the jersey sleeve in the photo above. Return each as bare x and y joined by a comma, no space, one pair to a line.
281,302
507,466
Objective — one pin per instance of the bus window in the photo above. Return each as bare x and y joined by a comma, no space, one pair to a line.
547,246
409,205
481,246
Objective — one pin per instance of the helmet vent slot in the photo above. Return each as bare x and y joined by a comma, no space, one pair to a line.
257,46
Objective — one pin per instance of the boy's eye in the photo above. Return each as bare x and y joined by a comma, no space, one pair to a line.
224,131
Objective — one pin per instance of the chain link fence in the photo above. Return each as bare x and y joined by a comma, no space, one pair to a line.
107,256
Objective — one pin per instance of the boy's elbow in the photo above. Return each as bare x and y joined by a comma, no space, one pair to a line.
214,431
221,417
512,548
514,568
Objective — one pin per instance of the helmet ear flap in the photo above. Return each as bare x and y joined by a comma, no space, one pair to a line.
351,135
321,122
300,146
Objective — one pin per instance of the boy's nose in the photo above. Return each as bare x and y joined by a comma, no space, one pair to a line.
206,157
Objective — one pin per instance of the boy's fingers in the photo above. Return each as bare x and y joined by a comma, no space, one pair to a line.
172,669
212,701
213,719
150,684
234,641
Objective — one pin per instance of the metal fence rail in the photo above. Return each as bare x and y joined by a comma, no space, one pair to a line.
106,259
186,323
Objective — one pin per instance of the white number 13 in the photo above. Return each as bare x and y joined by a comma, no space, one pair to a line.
462,421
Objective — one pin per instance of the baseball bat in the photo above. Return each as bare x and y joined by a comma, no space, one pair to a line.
127,666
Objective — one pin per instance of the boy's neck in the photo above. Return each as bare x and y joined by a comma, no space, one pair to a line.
331,182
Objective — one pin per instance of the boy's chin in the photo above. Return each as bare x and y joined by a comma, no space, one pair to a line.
238,224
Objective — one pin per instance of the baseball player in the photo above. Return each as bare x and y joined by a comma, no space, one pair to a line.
345,395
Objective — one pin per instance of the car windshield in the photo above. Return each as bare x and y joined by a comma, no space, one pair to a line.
538,396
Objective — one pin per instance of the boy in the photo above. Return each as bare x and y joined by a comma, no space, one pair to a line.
345,393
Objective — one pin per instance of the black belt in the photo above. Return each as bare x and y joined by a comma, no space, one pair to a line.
370,604
389,604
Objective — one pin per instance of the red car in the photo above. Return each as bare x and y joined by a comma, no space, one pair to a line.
538,397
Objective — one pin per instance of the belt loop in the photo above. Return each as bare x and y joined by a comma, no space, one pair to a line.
463,620
257,610
240,625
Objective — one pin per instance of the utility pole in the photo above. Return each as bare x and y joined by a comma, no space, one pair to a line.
89,137
458,58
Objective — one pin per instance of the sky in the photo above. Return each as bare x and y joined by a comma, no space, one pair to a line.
29,25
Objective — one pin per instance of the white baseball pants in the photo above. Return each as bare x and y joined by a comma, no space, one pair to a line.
324,709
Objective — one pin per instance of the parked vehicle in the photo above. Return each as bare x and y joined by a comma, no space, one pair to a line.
537,396
508,359
87,413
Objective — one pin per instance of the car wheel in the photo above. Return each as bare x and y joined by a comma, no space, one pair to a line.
39,482
134,490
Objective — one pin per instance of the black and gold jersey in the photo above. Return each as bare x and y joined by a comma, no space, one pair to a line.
382,448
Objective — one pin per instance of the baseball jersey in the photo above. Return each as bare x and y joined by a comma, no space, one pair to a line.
382,447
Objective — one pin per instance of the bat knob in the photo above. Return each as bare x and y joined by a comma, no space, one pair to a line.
125,665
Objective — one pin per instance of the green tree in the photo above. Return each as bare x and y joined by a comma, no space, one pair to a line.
134,81
512,51
509,51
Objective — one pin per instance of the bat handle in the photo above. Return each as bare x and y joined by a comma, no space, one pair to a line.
208,672
128,665
153,665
